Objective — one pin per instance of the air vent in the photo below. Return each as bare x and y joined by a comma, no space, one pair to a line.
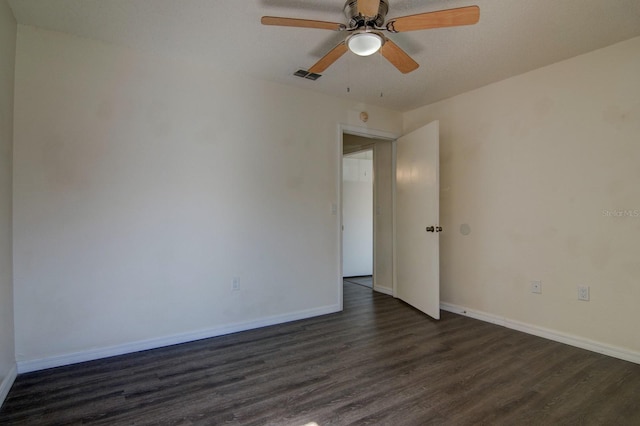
306,74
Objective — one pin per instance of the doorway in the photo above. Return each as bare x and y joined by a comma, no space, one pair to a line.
406,214
368,156
357,214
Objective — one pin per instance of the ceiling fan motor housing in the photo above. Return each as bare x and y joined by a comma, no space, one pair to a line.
356,20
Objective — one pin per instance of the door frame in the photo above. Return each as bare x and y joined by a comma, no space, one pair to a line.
367,133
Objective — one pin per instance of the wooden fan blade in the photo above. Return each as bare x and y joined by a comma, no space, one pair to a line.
368,7
398,57
443,18
301,23
328,59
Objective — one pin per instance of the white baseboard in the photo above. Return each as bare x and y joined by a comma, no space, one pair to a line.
384,290
7,382
558,336
93,354
482,316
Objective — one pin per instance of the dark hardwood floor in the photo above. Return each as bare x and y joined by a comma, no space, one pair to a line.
378,362
365,280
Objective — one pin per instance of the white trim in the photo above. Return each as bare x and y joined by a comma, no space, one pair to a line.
93,354
479,315
383,290
6,384
374,216
394,182
558,336
340,224
367,133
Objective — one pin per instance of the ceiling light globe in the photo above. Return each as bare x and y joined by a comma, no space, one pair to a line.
365,44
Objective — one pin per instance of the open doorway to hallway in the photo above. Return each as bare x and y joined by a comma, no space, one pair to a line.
357,217
367,209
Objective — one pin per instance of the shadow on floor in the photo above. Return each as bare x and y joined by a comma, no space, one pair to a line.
366,280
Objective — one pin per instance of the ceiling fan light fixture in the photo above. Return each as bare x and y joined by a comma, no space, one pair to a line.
365,43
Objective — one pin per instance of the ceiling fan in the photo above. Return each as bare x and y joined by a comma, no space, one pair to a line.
366,24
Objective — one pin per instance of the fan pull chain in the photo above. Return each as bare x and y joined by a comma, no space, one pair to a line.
349,74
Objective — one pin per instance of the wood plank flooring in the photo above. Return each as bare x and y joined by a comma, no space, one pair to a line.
379,362
365,280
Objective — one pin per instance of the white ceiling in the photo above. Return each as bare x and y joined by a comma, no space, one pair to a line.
512,37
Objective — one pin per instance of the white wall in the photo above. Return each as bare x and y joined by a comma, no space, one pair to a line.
532,164
7,63
143,185
357,214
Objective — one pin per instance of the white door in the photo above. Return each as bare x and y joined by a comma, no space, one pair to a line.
417,219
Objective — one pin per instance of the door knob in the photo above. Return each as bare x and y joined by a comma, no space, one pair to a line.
430,229
438,228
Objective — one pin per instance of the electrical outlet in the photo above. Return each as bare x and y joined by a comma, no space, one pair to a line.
536,287
583,292
235,284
